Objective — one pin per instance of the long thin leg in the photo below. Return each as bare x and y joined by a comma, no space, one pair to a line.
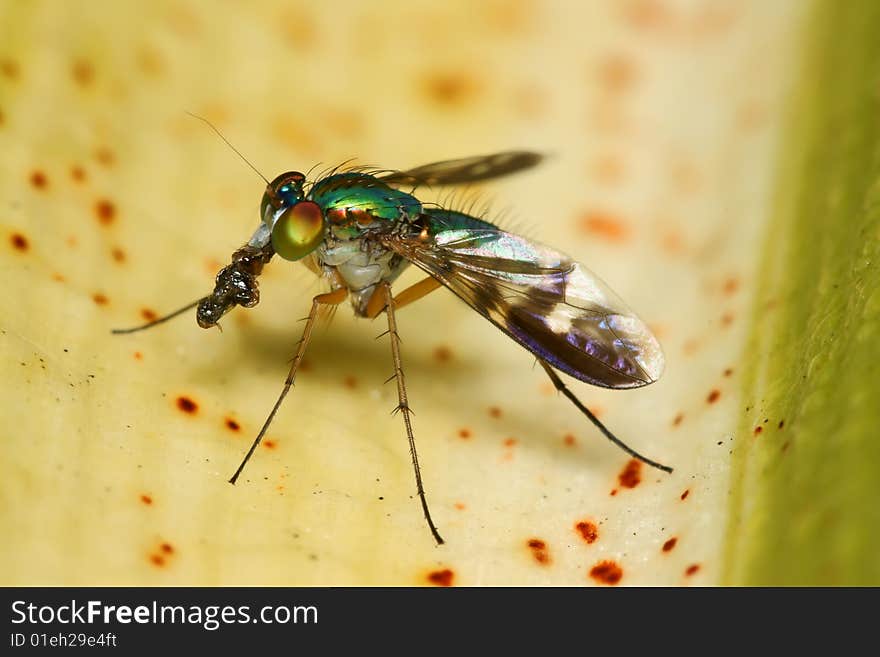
561,387
180,311
330,298
414,292
403,405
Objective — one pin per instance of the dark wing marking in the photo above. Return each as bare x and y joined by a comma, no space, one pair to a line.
551,305
465,170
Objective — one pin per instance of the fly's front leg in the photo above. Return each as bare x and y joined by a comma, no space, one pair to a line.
235,285
403,403
329,299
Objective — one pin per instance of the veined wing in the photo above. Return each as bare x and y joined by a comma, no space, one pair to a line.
465,170
550,304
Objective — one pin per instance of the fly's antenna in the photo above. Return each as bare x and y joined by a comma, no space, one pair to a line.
237,152
161,320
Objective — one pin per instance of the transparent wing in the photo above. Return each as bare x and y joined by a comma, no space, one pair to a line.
551,305
465,170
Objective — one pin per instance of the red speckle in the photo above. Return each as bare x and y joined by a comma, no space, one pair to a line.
157,559
460,506
270,444
118,254
569,440
19,242
82,72
58,277
449,88
105,156
146,499
608,169
39,180
509,442
785,446
443,577
728,372
606,572
758,430
604,225
687,491
668,545
678,419
100,299
781,423
167,548
187,405
105,211
9,68
713,396
78,173
588,531
631,475
464,434
539,550
148,314
442,354
727,319
494,411
138,355
617,73
350,382
232,424
731,285
613,492
692,569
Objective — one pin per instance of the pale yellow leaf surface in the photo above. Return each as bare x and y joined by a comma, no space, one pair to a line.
660,121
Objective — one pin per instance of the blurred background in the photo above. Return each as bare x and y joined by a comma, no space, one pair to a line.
661,120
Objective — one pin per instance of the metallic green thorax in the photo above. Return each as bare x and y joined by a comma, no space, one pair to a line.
366,193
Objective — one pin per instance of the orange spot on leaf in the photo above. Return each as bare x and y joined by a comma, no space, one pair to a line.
187,405
604,225
19,242
539,551
39,180
442,354
607,572
588,531
443,577
105,211
631,475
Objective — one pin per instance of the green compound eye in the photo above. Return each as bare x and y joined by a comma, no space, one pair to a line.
298,231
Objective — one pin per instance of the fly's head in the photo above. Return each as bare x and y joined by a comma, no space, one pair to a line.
297,225
296,228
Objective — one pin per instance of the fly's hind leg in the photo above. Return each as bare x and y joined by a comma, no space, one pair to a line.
329,299
561,387
403,408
